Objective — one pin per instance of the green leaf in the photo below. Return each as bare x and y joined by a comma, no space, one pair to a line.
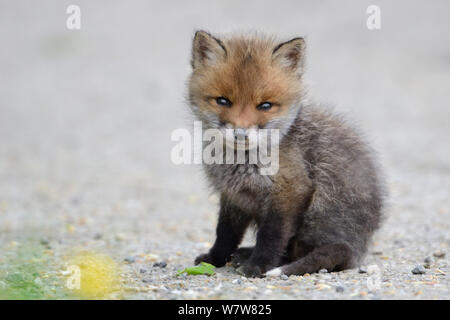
203,268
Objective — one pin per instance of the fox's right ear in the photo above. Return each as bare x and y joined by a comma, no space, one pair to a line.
290,54
206,50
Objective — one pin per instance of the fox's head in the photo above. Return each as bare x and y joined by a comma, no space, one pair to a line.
246,82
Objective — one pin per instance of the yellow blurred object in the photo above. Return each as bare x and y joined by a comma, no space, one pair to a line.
70,228
13,244
99,275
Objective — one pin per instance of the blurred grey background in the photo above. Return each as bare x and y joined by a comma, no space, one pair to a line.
86,115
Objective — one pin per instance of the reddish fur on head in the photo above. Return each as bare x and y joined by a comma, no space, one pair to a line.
247,70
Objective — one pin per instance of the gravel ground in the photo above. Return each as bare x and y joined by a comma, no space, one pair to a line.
86,118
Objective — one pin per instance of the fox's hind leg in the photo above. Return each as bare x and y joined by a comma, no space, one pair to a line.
333,257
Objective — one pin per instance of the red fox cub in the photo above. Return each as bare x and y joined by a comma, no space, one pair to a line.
321,207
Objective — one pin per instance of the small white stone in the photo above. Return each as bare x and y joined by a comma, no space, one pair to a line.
274,272
373,269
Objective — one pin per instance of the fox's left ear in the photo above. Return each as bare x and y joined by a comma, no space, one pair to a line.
290,54
206,50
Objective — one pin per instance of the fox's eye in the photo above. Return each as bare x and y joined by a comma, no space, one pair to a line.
221,101
264,106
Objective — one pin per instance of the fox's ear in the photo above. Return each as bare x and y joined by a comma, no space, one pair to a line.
290,54
206,50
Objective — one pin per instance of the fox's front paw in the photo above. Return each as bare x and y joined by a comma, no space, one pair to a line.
208,258
240,256
250,271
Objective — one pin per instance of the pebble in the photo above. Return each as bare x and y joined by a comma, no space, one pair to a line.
284,277
428,262
373,269
130,259
362,269
142,270
98,236
236,281
439,254
250,288
191,293
419,270
340,289
120,237
161,264
322,286
45,243
323,271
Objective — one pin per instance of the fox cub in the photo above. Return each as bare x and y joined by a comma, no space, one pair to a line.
322,206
